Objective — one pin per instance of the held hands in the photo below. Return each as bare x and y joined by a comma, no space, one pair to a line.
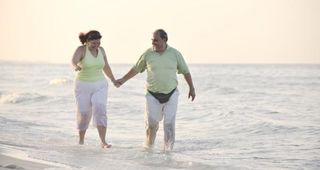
118,82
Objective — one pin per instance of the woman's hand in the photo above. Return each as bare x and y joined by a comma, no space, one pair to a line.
118,82
77,68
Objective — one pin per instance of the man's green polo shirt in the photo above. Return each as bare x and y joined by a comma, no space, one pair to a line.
162,69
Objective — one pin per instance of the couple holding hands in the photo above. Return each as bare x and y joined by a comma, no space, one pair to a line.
162,64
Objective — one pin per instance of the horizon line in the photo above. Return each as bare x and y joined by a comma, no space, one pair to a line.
190,63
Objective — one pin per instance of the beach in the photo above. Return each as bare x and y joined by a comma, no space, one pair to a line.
8,162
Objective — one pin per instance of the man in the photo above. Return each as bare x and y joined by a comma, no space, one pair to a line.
162,63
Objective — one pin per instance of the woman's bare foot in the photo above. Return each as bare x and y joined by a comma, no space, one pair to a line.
105,145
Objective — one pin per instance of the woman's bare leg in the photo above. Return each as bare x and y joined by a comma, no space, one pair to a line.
102,134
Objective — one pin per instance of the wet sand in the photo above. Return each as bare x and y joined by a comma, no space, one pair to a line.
8,162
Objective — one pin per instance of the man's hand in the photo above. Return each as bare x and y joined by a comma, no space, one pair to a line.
118,82
192,94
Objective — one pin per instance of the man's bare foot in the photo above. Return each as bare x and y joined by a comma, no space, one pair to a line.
105,145
81,142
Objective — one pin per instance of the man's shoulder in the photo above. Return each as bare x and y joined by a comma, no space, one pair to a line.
174,50
148,51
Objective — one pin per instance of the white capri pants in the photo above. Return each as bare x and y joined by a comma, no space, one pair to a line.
154,113
91,99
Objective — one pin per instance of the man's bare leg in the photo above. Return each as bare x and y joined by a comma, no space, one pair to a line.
82,133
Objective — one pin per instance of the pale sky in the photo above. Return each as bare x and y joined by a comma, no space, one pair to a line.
204,31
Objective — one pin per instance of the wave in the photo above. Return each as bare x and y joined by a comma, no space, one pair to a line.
226,90
13,98
59,81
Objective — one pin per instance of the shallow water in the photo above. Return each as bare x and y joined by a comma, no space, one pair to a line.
244,117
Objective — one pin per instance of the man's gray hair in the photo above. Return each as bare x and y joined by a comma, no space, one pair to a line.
162,33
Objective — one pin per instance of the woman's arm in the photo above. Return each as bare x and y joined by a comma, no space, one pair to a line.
77,57
106,69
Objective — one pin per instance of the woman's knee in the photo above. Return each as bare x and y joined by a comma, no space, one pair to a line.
83,120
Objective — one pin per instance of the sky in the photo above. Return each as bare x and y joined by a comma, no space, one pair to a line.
204,31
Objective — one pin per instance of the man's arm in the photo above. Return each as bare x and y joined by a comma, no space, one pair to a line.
192,92
128,76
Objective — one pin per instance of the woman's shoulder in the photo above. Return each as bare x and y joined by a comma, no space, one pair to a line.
81,48
80,51
102,49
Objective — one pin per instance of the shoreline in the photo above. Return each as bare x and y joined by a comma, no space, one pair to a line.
13,158
11,162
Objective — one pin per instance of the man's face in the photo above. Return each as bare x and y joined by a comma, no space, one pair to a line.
157,41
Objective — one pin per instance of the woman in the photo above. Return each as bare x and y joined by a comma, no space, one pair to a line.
91,86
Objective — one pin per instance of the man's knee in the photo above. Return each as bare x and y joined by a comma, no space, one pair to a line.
152,125
169,125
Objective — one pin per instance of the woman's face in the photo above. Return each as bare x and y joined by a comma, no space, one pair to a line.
94,44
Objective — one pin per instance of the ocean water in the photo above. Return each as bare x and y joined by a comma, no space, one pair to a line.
243,117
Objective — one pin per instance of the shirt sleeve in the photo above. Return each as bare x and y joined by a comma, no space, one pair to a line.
182,66
140,66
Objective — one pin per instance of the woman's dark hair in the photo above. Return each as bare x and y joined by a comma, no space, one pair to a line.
91,35
162,34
